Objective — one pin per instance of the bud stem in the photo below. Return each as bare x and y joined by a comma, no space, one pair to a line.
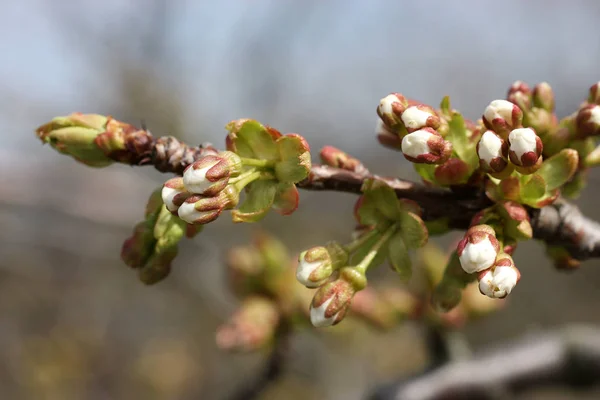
244,179
355,244
364,264
253,162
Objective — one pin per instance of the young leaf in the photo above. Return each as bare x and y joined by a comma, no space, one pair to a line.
458,135
366,211
286,198
445,106
294,155
251,139
259,199
383,197
534,189
413,230
398,256
558,169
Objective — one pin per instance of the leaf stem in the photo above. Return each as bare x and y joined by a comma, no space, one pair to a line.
355,244
253,162
247,178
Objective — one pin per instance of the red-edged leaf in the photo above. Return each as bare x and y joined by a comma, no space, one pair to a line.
286,199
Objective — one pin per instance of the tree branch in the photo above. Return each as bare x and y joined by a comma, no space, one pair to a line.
570,357
558,224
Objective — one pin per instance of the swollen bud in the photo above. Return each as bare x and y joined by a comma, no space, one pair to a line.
174,194
524,147
207,176
198,209
337,158
426,146
314,267
493,152
478,249
498,281
543,96
520,94
420,116
391,108
502,116
588,121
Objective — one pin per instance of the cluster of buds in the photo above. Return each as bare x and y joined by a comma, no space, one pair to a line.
204,191
507,140
415,129
481,253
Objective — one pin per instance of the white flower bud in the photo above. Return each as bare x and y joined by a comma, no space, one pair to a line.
174,194
499,281
499,109
524,142
478,250
420,116
416,144
189,214
501,116
195,179
317,315
490,147
426,146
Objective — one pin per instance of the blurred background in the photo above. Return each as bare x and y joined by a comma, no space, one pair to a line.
75,323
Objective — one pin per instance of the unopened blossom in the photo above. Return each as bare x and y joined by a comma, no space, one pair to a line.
426,146
524,147
199,209
174,194
420,116
502,116
543,96
390,109
207,176
520,94
314,267
588,121
478,249
493,152
498,281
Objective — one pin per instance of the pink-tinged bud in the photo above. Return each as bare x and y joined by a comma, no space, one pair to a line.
174,194
207,176
453,172
252,326
520,94
516,220
493,152
588,121
479,248
386,137
314,267
594,97
335,157
198,209
524,147
420,116
426,146
498,281
543,96
502,116
391,108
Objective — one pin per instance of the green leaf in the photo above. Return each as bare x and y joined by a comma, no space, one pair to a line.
363,250
438,226
168,229
426,171
558,169
445,105
458,135
413,230
260,196
252,140
383,197
573,188
294,156
286,198
398,256
533,189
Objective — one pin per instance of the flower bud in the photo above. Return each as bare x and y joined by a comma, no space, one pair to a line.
426,146
330,304
498,281
138,248
391,108
520,94
453,172
588,121
479,248
524,147
386,137
517,221
198,209
492,152
174,194
543,96
502,116
314,267
594,97
207,176
251,327
75,135
158,266
420,116
337,158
